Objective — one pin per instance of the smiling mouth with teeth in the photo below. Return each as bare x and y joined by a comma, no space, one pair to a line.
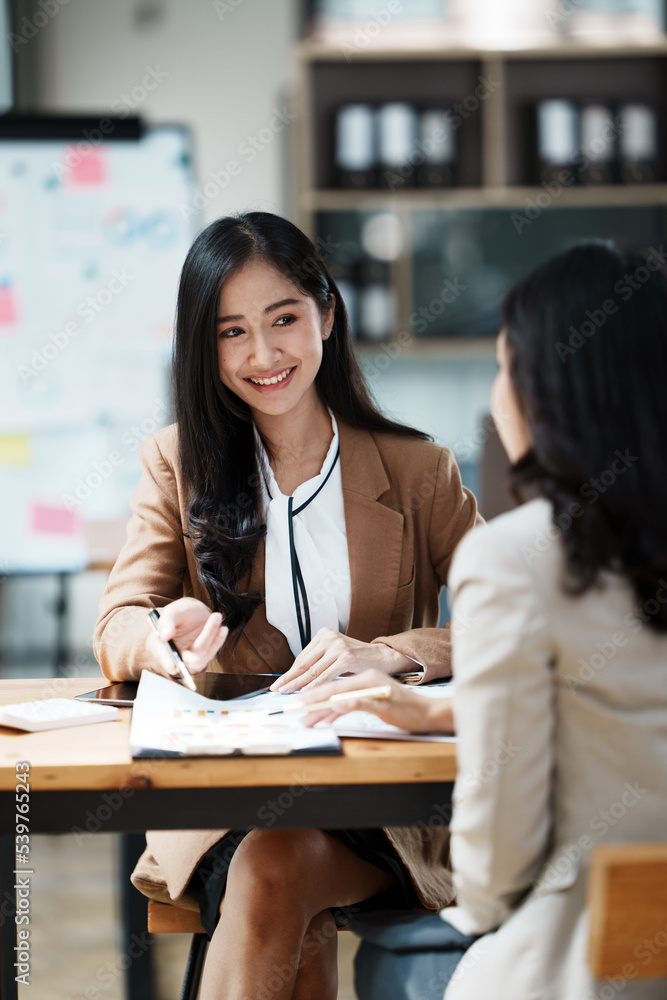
272,381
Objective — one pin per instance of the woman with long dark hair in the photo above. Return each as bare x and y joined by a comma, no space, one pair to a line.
282,525
561,686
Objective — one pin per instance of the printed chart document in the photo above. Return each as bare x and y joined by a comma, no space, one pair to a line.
169,720
368,725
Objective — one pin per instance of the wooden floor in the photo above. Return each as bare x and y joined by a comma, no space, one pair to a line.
76,954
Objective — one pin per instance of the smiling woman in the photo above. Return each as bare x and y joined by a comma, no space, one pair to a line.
277,528
271,356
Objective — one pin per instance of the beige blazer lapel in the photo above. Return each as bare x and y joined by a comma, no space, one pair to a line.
374,535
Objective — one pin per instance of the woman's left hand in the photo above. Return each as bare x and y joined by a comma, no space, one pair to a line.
331,653
404,708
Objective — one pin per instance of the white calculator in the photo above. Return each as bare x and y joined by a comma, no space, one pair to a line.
54,713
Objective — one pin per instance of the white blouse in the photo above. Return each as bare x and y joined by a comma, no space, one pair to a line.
307,568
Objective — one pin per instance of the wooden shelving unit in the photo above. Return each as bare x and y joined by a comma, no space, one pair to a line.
492,145
431,349
332,200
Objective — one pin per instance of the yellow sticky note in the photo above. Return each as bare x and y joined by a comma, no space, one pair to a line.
14,449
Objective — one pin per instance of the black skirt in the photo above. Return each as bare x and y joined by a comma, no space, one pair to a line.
209,880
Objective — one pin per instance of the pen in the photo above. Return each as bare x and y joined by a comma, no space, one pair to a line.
381,693
186,677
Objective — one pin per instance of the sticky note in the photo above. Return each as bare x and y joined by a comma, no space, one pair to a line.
85,165
54,520
8,310
14,449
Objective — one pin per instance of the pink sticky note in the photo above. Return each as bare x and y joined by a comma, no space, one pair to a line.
8,311
85,164
54,520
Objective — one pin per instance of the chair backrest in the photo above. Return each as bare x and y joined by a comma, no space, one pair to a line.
166,919
105,539
493,494
627,901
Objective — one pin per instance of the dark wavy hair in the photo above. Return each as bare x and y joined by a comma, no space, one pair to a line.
215,428
587,340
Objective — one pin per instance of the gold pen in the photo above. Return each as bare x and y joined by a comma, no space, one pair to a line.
184,673
380,693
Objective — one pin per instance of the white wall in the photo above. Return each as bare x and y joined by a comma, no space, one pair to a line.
226,64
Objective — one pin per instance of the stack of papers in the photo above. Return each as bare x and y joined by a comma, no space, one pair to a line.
169,720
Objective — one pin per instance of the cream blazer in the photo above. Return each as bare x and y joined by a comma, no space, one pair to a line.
561,710
405,512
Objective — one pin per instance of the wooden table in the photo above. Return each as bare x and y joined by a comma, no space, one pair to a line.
83,779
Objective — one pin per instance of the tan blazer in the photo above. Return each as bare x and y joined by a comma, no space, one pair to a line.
561,711
405,511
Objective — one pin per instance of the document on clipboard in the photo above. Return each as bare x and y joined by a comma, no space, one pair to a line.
168,720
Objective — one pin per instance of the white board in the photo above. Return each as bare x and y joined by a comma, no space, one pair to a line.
92,241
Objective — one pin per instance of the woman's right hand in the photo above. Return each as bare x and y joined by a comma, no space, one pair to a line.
195,629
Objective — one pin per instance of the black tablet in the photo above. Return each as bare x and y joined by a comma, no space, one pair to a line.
222,687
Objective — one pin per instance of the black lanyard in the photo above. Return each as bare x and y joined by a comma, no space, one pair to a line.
298,586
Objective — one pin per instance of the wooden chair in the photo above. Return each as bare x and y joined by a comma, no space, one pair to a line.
627,899
166,919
